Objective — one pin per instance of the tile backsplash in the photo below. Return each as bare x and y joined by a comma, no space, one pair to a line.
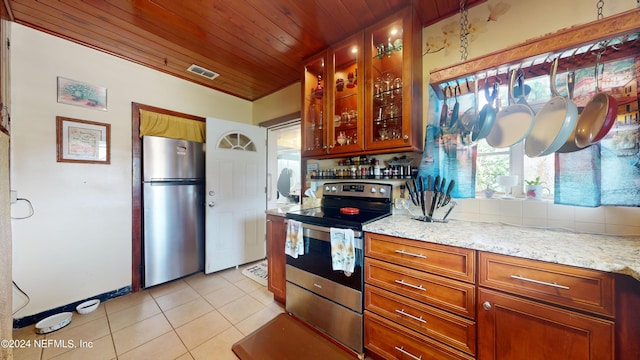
610,220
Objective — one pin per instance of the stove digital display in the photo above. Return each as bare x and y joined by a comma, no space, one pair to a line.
353,188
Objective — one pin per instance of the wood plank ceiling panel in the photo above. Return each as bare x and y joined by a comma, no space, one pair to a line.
144,49
256,46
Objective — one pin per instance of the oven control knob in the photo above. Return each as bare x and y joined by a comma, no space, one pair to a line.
327,188
334,189
373,190
382,191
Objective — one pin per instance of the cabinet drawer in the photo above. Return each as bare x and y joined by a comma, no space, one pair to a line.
456,263
570,286
452,330
447,294
392,341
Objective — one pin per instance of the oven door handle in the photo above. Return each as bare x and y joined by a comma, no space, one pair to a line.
323,232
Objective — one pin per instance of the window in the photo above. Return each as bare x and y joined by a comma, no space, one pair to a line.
492,162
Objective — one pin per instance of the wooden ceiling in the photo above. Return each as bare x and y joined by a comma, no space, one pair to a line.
257,46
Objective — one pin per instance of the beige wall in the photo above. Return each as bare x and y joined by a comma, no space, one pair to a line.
78,242
280,103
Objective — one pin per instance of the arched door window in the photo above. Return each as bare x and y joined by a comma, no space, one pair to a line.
236,141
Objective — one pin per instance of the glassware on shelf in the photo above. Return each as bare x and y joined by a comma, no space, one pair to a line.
378,85
384,133
341,138
397,86
388,81
391,111
319,90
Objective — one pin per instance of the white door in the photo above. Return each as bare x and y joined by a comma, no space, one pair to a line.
235,221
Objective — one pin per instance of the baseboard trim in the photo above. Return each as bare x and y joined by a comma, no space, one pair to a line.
32,319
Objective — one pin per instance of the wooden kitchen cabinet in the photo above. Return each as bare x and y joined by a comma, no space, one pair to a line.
276,261
363,95
543,310
581,289
511,327
393,68
346,116
314,102
419,299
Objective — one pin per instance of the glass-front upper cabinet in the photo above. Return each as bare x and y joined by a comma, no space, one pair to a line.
314,100
346,131
394,75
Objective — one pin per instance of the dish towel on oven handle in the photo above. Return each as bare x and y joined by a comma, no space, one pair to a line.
294,243
343,252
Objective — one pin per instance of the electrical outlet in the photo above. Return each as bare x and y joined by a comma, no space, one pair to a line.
14,196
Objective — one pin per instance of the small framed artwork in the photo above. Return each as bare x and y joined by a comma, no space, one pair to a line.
82,94
83,141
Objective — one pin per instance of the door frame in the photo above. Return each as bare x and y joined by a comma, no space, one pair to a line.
136,187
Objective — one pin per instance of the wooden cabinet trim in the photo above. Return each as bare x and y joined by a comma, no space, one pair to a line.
563,40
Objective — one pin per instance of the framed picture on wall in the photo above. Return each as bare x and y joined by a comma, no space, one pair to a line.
83,141
82,94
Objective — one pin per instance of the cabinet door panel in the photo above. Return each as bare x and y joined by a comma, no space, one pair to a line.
346,79
314,103
276,233
516,328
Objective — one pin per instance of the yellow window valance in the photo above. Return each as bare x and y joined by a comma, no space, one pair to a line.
154,124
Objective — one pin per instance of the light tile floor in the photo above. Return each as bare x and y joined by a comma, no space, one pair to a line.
195,318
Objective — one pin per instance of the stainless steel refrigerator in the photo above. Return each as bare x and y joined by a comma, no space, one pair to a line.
173,208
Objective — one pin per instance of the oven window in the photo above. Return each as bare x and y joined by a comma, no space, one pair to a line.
317,260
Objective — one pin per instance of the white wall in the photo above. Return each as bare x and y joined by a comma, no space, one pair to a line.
78,242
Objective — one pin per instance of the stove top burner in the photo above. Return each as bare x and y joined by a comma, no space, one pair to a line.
373,200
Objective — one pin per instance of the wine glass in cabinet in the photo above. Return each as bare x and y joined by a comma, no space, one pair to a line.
314,100
346,132
393,98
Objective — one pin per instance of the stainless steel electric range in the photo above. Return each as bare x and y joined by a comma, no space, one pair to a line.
332,301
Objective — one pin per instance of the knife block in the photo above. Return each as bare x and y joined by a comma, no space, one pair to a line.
439,215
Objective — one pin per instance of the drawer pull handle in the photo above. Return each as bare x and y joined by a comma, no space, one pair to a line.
402,350
417,287
420,319
411,254
517,277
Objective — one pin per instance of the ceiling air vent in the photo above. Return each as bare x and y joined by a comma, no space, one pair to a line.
203,72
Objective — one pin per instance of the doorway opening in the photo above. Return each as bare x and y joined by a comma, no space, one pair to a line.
284,165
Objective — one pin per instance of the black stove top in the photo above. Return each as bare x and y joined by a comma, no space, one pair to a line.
373,200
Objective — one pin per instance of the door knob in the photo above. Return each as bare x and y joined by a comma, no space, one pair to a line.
486,305
211,204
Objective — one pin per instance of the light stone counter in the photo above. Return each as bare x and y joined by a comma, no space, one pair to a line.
615,254
282,211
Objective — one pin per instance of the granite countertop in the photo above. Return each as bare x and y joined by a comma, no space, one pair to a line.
282,211
617,254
